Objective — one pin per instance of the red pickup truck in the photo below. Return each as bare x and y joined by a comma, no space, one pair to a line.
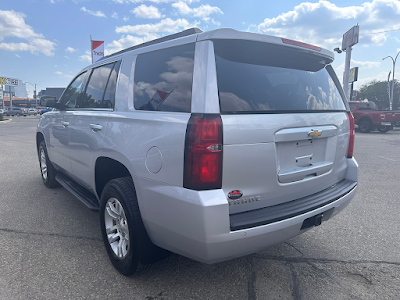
368,118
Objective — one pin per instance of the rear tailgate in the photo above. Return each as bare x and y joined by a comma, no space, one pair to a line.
272,158
285,124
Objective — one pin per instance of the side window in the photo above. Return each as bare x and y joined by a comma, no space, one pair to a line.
109,95
73,91
92,98
163,79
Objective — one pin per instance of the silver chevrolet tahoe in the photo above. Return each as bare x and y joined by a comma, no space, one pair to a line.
212,145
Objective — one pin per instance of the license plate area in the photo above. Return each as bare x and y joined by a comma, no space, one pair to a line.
317,219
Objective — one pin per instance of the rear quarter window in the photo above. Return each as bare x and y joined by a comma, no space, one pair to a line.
163,79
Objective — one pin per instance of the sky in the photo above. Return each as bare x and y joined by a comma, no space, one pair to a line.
47,42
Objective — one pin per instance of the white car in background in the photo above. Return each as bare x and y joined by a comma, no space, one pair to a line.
32,112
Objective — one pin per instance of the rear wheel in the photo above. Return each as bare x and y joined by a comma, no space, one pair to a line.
365,126
383,129
46,168
125,238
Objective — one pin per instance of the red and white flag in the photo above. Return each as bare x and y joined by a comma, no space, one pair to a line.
158,98
97,50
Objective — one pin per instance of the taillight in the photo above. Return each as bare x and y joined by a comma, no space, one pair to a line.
203,153
352,133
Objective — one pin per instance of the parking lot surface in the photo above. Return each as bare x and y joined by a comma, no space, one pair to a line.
51,247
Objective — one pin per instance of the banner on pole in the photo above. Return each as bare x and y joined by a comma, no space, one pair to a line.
388,89
97,50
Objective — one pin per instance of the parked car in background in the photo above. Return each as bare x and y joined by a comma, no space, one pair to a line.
211,145
2,111
45,110
32,111
369,118
16,111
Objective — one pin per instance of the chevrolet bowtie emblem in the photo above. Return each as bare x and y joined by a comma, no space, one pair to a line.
315,133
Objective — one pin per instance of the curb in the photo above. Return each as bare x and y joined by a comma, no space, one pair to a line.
6,121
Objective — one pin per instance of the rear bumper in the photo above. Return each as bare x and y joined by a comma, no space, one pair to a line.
197,224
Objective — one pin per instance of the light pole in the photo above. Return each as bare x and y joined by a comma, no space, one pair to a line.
394,65
34,95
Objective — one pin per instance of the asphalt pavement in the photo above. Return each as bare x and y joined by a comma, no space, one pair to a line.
51,247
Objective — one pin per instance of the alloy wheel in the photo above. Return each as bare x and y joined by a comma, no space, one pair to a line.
43,164
117,229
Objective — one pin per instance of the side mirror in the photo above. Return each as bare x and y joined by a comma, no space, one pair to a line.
51,103
54,104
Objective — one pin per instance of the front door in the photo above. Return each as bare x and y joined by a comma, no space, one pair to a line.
59,125
89,119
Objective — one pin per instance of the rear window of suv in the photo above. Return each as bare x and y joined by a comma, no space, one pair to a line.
258,77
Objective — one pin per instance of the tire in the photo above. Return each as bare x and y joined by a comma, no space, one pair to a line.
383,129
365,126
47,170
127,243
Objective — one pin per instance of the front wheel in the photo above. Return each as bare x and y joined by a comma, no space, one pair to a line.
46,168
124,235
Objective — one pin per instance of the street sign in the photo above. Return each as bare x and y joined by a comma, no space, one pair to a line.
353,74
350,38
9,81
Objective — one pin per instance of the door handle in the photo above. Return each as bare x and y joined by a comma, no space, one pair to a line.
95,127
64,123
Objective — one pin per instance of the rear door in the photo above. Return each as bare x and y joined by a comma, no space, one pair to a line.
285,126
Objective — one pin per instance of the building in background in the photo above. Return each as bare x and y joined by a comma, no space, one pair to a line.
56,92
21,102
17,91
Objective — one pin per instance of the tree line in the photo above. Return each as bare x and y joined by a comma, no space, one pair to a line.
377,92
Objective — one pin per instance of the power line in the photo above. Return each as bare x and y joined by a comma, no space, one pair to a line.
379,32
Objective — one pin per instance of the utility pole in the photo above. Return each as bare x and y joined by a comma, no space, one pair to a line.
2,95
35,96
34,92
10,97
346,72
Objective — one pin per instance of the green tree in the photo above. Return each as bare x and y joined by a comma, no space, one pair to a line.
376,91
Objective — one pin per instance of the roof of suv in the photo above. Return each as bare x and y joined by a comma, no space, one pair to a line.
231,34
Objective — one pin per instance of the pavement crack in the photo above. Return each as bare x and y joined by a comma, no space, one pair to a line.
322,271
294,248
251,289
296,284
367,281
322,260
77,237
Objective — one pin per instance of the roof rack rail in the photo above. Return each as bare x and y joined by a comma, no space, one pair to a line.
183,33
